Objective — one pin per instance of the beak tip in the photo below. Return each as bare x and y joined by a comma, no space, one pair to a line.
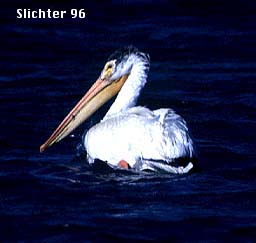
42,148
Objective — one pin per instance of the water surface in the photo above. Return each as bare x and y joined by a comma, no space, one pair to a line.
203,67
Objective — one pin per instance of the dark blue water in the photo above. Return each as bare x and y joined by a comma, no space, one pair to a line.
203,67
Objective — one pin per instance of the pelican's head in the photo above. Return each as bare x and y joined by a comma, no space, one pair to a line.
121,62
113,76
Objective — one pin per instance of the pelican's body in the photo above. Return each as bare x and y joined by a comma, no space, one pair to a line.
144,139
140,137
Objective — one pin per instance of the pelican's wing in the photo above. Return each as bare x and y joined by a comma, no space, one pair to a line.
176,134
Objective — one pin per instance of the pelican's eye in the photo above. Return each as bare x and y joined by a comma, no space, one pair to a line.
110,66
108,70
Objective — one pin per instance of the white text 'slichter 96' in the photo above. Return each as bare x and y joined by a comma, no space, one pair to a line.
50,14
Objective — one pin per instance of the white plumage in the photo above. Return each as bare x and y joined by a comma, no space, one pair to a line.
136,136
145,139
141,137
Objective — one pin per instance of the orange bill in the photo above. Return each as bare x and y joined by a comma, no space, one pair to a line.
100,92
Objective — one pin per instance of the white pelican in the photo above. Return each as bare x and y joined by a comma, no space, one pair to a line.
129,136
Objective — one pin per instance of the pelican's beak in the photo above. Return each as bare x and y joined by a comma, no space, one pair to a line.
100,92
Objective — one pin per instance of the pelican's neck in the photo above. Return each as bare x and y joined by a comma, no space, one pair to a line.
131,89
